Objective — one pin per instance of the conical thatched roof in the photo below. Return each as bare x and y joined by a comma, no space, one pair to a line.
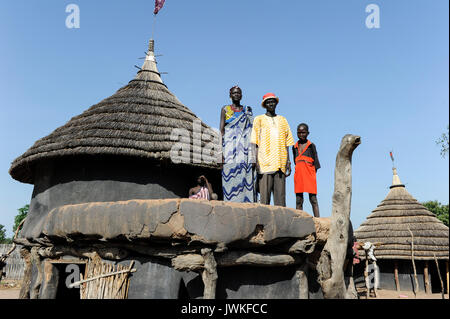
391,221
136,121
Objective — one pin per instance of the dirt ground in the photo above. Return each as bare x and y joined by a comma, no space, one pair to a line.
10,290
392,294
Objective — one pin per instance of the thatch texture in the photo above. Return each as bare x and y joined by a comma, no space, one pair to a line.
391,221
136,121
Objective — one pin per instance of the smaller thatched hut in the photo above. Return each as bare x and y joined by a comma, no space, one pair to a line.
398,223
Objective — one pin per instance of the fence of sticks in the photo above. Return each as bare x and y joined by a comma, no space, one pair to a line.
104,280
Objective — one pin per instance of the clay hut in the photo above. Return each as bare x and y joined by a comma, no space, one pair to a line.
108,208
398,222
139,143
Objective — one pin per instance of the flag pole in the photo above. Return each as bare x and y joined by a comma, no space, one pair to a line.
392,158
154,25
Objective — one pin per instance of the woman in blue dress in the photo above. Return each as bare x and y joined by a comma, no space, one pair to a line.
238,173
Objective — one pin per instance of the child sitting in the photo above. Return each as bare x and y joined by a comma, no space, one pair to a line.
203,190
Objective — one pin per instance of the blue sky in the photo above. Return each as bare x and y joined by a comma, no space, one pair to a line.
388,85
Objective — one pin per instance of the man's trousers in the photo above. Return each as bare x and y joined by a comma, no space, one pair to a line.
273,183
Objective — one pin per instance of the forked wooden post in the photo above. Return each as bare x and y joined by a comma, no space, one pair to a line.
397,282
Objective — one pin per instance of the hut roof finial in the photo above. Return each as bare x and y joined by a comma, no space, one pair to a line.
151,46
396,179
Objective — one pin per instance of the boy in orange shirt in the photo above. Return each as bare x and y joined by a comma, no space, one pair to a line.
306,166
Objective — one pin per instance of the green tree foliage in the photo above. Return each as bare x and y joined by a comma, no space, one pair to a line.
443,143
441,211
3,239
20,216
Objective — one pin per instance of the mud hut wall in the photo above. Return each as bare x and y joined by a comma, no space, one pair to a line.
387,279
156,279
85,180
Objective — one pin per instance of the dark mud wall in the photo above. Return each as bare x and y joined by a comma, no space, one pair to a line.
102,179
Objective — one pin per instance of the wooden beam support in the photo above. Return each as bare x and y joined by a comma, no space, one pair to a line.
36,261
416,290
236,258
366,276
193,262
330,267
426,278
302,275
446,270
209,274
375,280
440,277
397,282
26,281
50,283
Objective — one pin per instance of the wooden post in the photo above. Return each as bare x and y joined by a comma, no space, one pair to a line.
209,274
50,281
26,281
426,278
366,276
446,270
375,282
397,282
302,275
330,267
440,277
416,290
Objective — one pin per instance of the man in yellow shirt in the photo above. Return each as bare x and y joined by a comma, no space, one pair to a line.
272,137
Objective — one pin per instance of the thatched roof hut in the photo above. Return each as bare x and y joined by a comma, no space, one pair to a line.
392,223
139,120
139,143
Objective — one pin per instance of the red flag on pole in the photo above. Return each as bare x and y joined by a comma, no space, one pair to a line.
158,5
392,157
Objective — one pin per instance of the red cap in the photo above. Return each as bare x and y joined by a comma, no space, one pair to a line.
269,96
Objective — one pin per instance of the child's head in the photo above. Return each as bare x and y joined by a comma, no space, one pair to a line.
302,131
201,180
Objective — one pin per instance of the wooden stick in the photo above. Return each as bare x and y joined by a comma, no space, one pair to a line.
5,256
125,277
440,278
427,278
446,270
397,282
366,276
416,290
101,276
375,281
